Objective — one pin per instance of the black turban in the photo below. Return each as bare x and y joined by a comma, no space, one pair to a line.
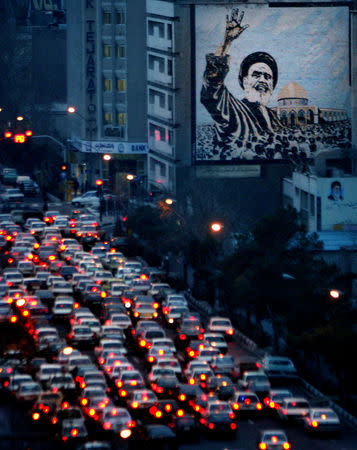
256,57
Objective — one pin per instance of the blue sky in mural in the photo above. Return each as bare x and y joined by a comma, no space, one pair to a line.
310,46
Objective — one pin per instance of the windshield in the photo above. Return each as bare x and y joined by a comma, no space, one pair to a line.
220,408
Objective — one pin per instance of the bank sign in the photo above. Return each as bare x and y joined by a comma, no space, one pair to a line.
127,148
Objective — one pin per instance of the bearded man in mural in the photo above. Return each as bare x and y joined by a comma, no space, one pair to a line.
236,121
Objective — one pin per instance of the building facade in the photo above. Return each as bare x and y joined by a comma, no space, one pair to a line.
107,87
215,153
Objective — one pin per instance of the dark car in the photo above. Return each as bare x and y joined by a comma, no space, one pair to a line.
159,437
67,272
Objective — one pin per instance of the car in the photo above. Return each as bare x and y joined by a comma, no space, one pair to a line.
218,416
216,340
72,430
321,421
273,440
117,421
81,335
28,392
256,382
159,437
274,398
140,400
46,404
246,402
221,325
293,409
90,198
278,367
224,365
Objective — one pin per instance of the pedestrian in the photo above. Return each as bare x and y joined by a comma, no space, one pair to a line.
75,186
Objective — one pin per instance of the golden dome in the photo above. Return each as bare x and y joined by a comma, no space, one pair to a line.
292,90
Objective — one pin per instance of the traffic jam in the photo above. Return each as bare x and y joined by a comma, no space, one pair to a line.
115,354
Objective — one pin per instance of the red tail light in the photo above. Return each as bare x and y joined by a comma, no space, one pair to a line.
233,426
180,413
168,407
84,401
158,414
182,336
235,406
107,425
74,432
262,446
259,406
35,416
286,446
200,337
314,423
135,405
231,415
182,397
211,426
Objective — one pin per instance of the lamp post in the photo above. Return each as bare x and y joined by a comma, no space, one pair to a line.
73,110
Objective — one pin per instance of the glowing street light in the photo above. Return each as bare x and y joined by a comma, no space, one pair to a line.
335,294
71,109
169,201
19,118
130,177
107,157
216,227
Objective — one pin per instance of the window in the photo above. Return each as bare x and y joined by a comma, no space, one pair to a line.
169,67
162,170
108,117
156,97
157,132
304,197
120,18
156,28
121,85
108,85
121,53
107,51
156,63
169,102
107,18
152,166
169,31
312,204
121,118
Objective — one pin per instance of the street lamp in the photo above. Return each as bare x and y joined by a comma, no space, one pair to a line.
107,157
169,201
130,177
19,118
216,227
335,294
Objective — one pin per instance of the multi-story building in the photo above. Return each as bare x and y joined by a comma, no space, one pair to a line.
107,88
218,146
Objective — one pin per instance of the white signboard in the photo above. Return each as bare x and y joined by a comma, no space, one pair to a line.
128,148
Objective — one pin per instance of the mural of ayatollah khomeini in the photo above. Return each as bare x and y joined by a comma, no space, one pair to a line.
238,119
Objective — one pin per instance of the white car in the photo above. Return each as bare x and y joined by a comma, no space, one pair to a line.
221,325
322,420
273,440
294,409
278,367
89,198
